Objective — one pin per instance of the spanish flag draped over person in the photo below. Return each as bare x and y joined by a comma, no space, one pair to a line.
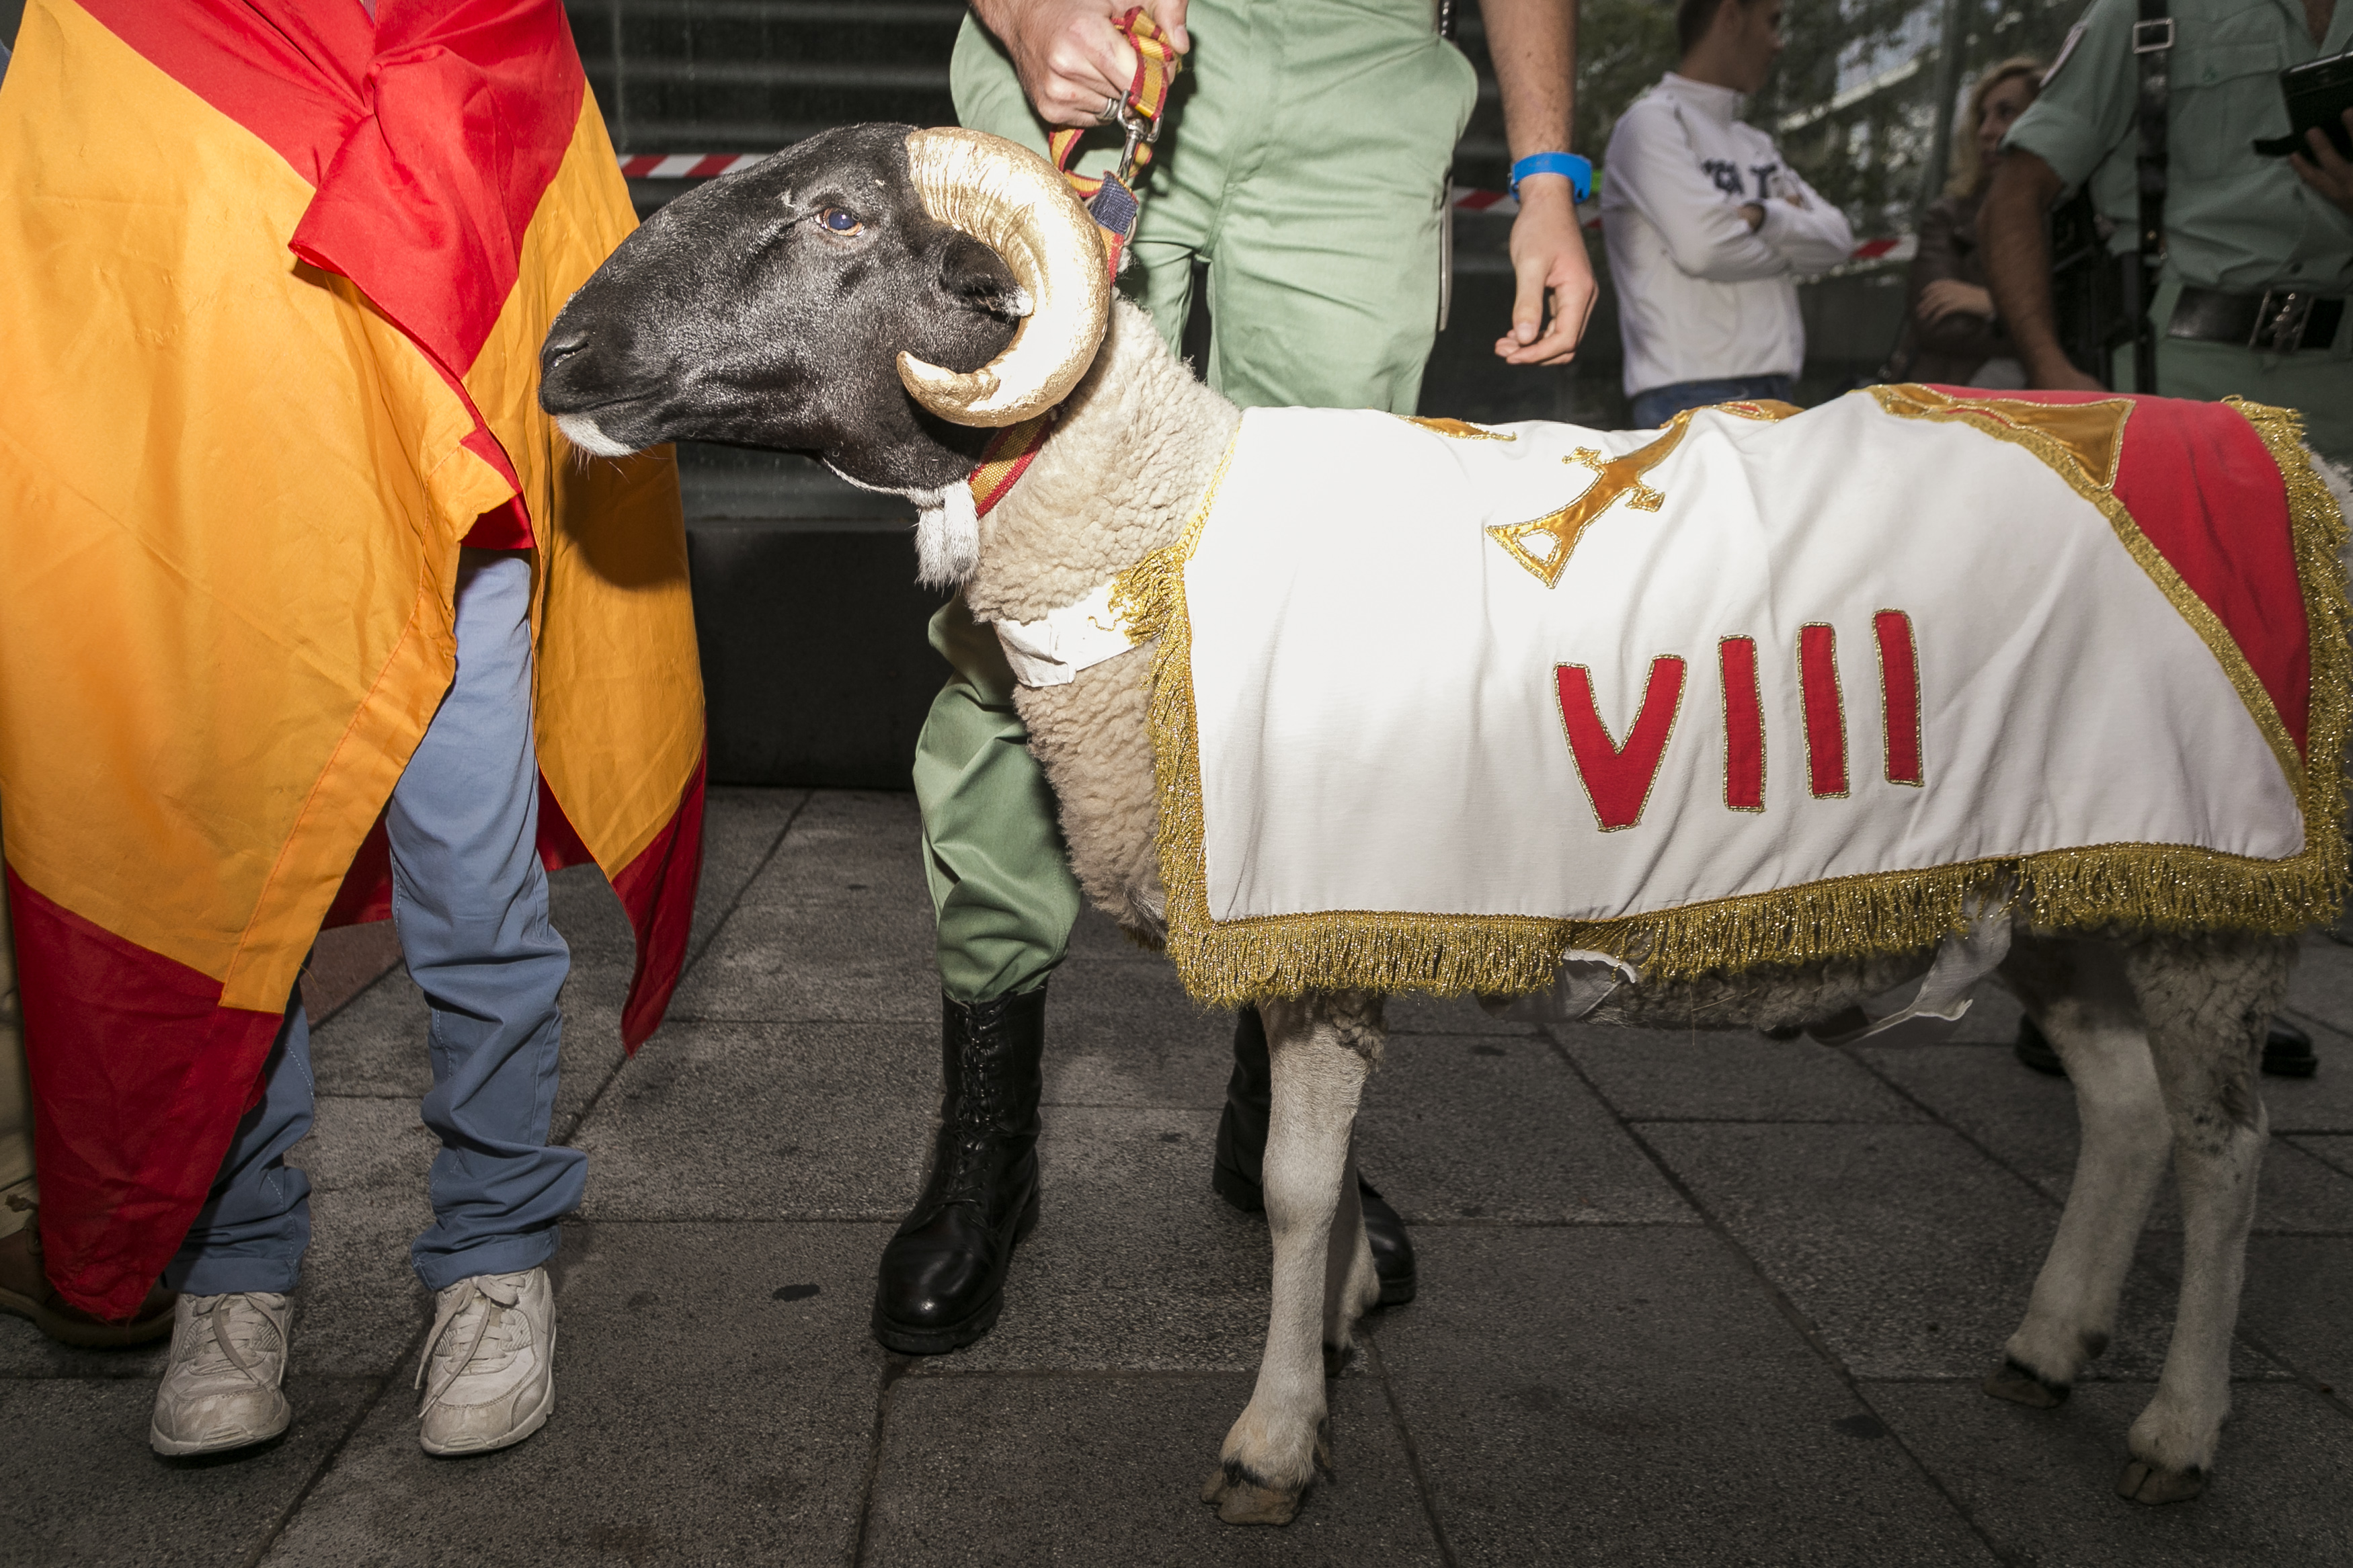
273,279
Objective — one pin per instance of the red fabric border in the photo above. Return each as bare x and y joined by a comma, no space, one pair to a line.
140,1077
2202,488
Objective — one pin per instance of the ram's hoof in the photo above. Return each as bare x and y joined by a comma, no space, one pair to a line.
2021,1384
1240,1501
2145,1482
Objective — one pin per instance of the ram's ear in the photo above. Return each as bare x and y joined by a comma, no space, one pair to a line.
975,275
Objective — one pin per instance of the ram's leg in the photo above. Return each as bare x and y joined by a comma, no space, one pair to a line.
2209,1003
2078,992
1320,1051
1351,1288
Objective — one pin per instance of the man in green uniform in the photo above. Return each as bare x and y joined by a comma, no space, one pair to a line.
1303,161
2258,251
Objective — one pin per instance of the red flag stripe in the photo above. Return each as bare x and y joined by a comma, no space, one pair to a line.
657,891
140,1077
430,139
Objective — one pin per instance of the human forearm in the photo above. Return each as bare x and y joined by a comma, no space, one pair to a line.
1811,239
1533,45
1809,233
1961,335
1715,241
2018,265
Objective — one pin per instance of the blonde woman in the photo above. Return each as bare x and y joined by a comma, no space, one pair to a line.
1951,333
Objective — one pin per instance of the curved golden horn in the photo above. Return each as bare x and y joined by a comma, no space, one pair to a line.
1018,205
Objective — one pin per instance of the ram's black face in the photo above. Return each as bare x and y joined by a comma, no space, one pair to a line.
768,309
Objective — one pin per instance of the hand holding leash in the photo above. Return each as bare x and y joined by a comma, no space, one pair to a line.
1075,62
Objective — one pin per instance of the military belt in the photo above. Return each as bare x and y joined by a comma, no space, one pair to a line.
2277,321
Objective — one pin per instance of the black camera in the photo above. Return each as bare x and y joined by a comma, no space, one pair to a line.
2318,92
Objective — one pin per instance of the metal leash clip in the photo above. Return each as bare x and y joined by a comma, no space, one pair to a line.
1142,129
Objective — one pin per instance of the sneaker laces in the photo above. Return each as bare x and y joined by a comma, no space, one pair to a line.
498,1332
233,1327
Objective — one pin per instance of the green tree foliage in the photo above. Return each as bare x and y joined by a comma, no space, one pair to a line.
1623,47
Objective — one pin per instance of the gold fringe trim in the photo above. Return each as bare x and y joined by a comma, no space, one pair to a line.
2142,886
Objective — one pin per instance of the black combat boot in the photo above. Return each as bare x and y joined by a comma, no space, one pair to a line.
943,1277
1241,1153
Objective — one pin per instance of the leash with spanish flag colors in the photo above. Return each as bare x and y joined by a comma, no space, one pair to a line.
1112,200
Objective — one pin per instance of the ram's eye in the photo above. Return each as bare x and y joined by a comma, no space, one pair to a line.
838,222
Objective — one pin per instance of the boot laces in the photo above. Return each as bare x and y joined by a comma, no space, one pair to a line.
487,1322
980,1121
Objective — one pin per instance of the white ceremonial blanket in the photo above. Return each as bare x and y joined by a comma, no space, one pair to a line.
1437,703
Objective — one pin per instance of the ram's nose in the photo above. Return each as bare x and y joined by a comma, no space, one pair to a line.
564,344
561,343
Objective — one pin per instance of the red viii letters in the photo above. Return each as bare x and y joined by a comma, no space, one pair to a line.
1617,776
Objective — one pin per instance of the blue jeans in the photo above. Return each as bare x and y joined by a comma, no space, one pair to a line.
1654,408
470,901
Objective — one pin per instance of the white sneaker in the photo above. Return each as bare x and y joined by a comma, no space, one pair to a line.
487,1369
220,1389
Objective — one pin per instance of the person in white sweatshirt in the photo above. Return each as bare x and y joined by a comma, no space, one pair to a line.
1706,225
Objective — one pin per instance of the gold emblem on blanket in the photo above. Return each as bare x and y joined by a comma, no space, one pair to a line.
1544,544
2090,436
1462,430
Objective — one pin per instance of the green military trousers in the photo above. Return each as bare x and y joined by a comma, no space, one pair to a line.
1303,163
2317,382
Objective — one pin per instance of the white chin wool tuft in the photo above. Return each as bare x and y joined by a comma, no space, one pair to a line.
947,538
582,432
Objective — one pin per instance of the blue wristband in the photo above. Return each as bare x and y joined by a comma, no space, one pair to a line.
1578,169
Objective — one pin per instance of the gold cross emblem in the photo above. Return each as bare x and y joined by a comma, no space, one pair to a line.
1556,532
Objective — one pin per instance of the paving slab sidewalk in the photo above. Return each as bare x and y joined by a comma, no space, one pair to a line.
1686,1299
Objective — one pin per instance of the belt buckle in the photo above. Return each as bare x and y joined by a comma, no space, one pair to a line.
2281,320
2152,37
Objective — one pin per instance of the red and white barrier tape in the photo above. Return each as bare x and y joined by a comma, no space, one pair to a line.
1494,204
686,165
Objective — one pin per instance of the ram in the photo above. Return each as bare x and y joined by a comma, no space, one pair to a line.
1752,722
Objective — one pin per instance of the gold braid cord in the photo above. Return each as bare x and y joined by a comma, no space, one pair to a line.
2143,885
